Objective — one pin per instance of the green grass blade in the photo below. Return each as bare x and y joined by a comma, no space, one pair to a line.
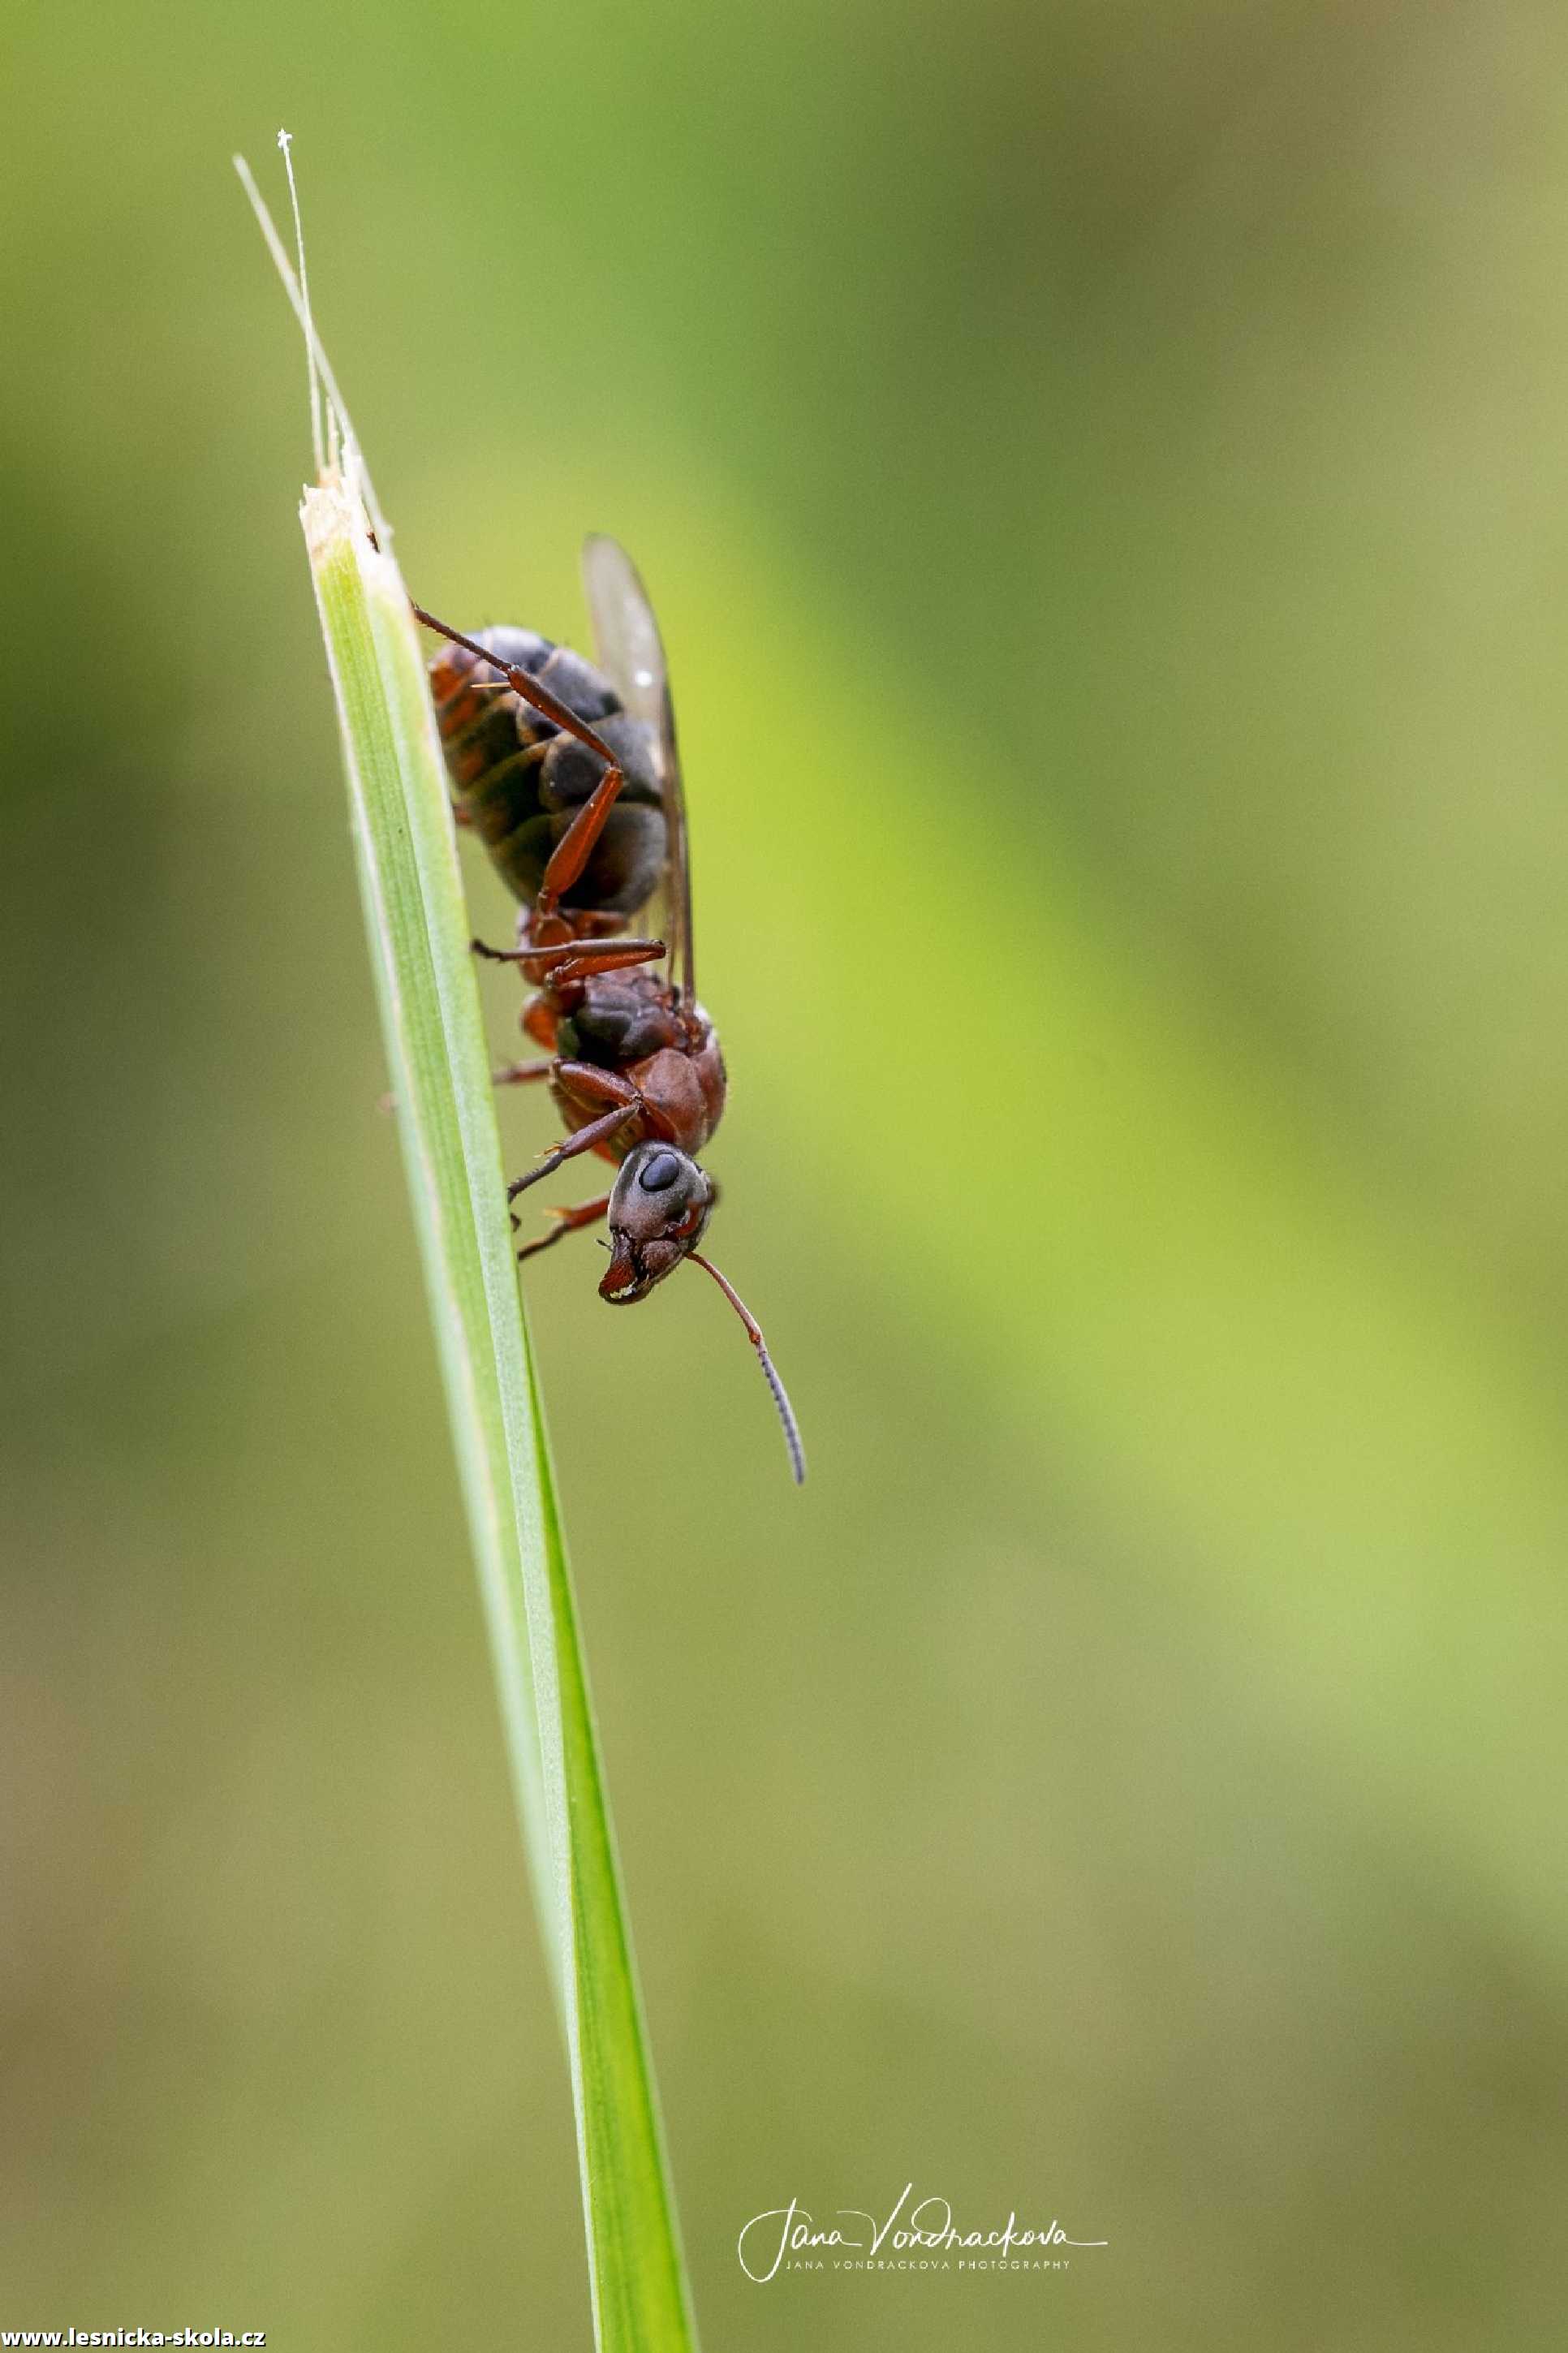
419,934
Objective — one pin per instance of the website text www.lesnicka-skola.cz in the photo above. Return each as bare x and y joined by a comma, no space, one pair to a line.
133,2337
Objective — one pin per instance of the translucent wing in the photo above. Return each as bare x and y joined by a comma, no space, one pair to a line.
631,655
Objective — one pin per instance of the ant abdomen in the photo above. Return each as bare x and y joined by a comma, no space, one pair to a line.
519,781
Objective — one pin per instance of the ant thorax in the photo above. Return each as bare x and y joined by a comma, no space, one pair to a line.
620,1018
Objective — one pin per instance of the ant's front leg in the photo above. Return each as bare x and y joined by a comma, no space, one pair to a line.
583,1082
521,1075
567,1221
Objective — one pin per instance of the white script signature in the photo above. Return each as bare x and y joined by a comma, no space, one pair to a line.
782,2230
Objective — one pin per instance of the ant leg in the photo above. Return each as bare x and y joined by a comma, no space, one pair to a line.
567,1221
522,681
624,1103
612,956
574,959
596,1131
573,850
521,1075
575,847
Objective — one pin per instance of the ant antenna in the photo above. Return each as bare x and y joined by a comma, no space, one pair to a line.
781,1399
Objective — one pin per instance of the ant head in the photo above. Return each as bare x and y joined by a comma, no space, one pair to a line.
657,1210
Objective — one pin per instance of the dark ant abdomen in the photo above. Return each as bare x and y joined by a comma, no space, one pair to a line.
519,780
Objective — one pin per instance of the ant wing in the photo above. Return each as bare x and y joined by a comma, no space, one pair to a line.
631,655
630,650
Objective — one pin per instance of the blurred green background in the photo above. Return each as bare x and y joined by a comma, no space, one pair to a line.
1103,474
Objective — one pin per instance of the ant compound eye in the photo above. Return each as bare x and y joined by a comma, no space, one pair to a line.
659,1173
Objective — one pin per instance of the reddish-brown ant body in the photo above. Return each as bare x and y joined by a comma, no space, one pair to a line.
570,775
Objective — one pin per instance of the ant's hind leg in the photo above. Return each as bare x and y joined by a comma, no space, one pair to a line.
574,849
567,1221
